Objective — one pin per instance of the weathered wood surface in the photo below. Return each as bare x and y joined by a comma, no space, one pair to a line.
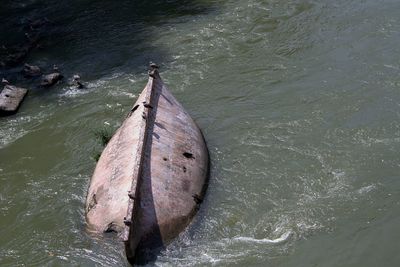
158,155
10,99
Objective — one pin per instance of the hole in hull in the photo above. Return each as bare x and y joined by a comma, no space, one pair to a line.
188,155
134,108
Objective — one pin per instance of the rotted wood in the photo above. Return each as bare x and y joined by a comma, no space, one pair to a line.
11,98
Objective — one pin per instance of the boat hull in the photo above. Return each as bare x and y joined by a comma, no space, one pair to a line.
152,175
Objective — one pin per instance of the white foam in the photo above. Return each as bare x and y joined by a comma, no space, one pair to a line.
73,92
366,189
283,238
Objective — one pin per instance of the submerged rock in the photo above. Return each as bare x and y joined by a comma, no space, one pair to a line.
31,71
10,99
14,58
76,81
52,78
10,57
36,24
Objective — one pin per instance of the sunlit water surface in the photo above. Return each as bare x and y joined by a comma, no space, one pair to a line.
299,102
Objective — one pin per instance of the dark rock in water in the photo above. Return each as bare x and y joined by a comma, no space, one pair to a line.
36,24
51,79
10,99
80,85
10,57
76,81
31,71
14,58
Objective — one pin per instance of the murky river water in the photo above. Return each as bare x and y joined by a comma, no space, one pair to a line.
299,102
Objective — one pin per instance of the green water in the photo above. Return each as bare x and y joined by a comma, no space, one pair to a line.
299,102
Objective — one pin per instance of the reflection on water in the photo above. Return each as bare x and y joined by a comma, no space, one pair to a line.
298,100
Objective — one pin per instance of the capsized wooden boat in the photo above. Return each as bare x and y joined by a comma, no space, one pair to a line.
152,175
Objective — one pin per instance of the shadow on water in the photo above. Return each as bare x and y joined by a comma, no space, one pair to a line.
95,38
